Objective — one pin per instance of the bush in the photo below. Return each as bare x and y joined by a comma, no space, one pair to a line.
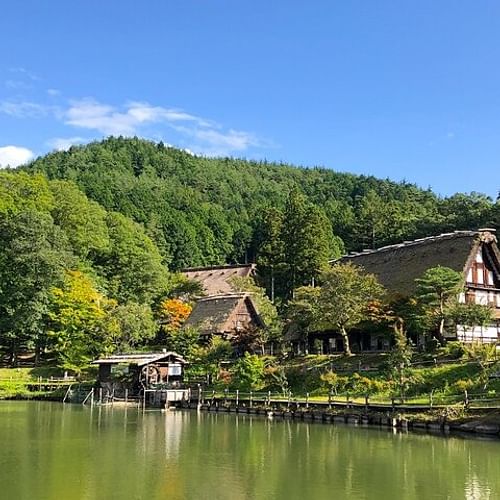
336,382
463,385
248,372
480,352
455,350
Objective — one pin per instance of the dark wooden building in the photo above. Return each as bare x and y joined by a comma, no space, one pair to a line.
140,371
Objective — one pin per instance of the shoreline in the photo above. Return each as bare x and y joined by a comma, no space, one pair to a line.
477,424
473,426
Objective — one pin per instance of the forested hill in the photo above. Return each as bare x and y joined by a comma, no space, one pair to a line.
204,211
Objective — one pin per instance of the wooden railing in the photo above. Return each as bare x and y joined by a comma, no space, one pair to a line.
421,403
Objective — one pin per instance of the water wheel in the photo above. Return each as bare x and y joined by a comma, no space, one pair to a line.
150,375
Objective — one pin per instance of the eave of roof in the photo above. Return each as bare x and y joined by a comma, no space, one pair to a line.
137,359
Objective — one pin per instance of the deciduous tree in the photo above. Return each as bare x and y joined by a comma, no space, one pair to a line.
33,256
345,295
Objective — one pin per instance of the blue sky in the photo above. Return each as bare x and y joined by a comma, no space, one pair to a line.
400,89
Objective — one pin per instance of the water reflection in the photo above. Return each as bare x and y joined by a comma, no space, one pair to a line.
69,452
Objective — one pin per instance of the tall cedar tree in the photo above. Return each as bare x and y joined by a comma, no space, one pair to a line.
306,236
270,255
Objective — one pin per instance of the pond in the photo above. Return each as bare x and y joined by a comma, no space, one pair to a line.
65,452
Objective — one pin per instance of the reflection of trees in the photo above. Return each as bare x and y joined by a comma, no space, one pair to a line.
55,451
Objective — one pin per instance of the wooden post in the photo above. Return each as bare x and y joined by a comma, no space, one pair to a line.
330,399
269,398
100,395
367,402
237,397
466,399
126,395
307,400
251,399
199,394
431,399
92,397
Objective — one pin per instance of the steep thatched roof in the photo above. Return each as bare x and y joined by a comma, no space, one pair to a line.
215,314
397,266
216,279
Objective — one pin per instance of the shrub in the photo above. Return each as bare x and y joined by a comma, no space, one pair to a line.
454,350
463,385
336,382
248,372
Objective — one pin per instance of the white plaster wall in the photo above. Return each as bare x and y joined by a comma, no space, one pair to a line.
486,334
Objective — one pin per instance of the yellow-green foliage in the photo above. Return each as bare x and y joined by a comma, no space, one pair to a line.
13,381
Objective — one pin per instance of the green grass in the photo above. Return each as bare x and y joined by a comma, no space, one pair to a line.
17,382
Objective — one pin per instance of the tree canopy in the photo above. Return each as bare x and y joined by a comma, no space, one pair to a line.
203,211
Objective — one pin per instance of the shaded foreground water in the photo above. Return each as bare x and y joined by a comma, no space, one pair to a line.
51,451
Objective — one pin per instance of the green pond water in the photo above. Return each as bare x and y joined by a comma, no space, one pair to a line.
64,452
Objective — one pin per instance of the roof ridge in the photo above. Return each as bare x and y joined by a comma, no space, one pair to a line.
409,243
233,295
221,266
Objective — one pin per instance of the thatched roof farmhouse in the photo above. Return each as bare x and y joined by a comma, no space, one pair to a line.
475,254
223,311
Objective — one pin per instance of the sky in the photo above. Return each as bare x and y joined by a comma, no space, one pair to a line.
400,89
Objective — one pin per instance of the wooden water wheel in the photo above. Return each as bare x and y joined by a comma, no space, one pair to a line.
150,375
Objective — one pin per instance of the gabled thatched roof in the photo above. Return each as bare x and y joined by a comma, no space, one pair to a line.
397,266
216,279
215,314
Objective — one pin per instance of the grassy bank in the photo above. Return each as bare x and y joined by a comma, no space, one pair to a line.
29,383
427,377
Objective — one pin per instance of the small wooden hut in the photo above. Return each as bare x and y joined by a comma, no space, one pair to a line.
141,371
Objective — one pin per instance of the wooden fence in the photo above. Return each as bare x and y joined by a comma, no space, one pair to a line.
475,401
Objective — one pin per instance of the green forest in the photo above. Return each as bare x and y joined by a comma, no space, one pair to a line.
93,237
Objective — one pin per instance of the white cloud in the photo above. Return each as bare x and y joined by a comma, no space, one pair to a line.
91,114
17,85
25,109
195,133
53,92
25,73
210,138
232,140
12,156
64,143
